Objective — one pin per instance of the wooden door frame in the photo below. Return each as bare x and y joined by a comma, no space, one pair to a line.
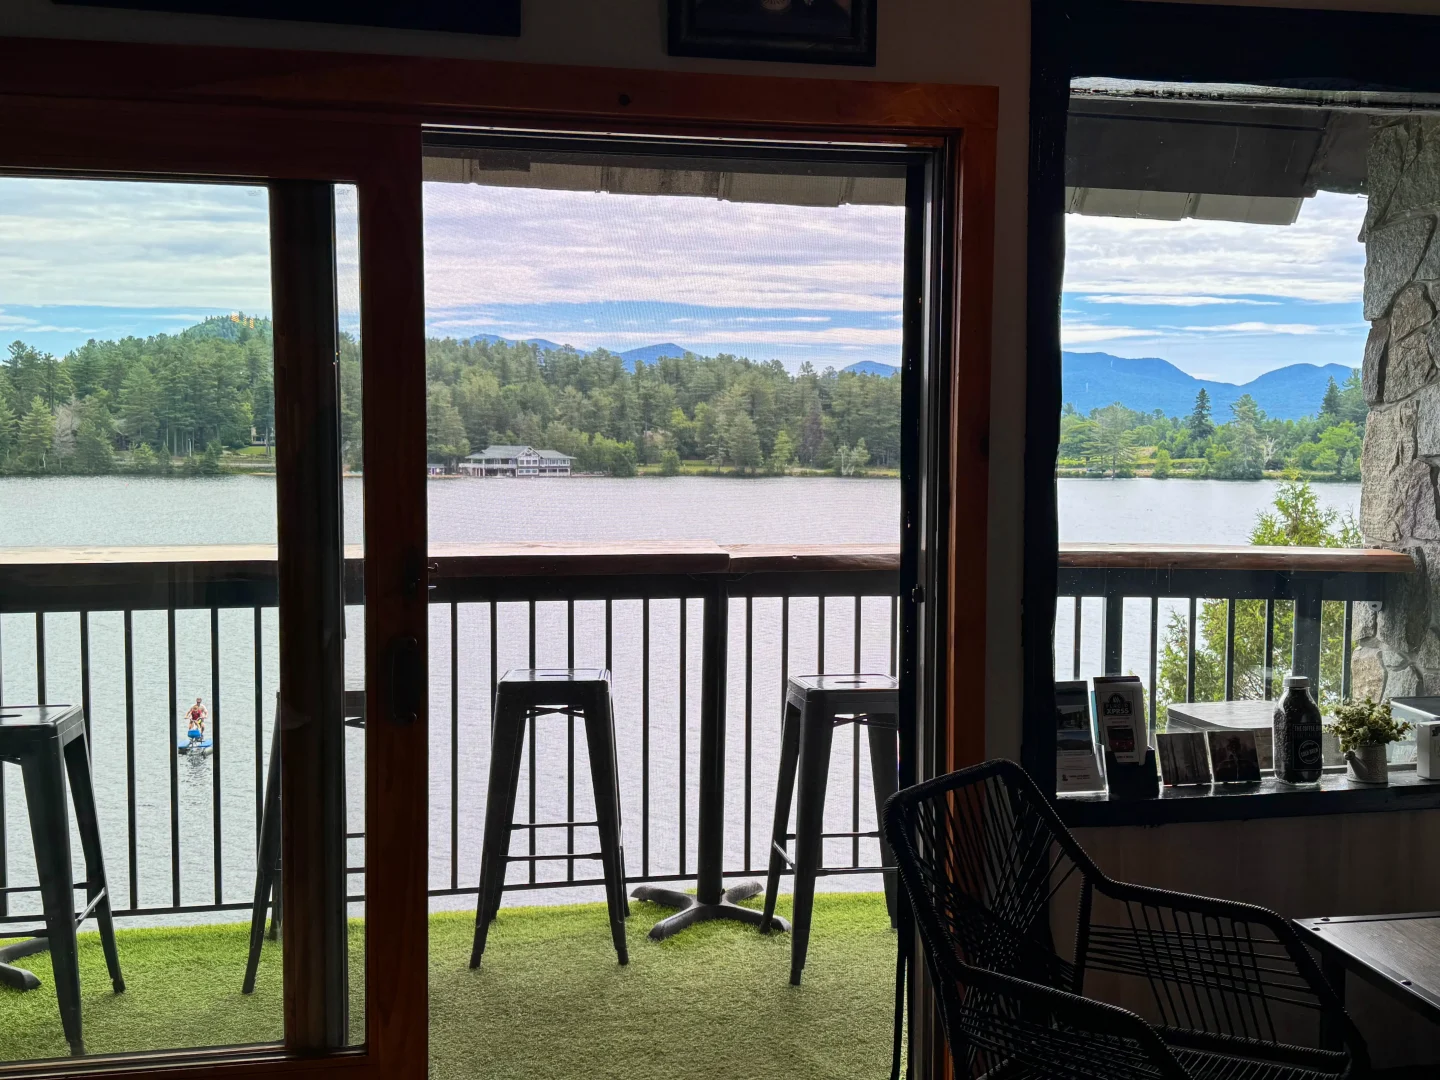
178,111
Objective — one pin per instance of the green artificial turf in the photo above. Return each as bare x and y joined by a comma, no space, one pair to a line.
549,999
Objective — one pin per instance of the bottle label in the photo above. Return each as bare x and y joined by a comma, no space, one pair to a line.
1308,752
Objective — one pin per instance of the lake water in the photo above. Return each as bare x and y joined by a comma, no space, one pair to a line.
115,511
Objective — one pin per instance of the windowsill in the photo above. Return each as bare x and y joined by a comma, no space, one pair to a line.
1238,802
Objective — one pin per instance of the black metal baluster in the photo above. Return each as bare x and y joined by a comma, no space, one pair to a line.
85,677
645,737
820,635
174,758
494,663
784,648
1230,649
4,846
533,771
1076,673
1345,647
1154,653
259,648
855,758
41,686
1190,656
1269,664
454,745
570,746
218,852
749,721
894,634
684,658
133,862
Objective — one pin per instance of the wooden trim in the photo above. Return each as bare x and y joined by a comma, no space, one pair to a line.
969,479
311,571
1236,557
433,88
392,329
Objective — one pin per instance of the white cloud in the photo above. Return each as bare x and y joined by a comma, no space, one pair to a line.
1177,301
129,244
517,246
1265,328
1084,334
1316,259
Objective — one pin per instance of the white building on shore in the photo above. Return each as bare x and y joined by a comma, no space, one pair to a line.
517,461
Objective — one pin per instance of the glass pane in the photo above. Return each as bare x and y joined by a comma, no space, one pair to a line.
662,360
138,495
1244,363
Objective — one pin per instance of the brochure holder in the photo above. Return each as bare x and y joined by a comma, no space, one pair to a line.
1140,781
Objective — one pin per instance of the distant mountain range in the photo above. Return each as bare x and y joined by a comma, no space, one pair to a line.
650,354
1094,380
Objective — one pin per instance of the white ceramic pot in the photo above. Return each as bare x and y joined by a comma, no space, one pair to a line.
1368,765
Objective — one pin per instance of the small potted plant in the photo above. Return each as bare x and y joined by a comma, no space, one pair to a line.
1364,730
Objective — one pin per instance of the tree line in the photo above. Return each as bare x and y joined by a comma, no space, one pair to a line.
1111,440
169,401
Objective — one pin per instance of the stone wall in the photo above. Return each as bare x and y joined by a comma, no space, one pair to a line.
1398,642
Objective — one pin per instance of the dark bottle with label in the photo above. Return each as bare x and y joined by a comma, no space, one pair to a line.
1297,734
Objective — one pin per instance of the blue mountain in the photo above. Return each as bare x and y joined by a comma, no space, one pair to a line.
540,343
1094,380
650,354
872,367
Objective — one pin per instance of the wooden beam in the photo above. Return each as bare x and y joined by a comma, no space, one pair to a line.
312,637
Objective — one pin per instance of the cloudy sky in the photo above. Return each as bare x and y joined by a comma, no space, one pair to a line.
1220,300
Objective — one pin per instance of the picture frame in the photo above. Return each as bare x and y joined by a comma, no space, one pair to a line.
798,31
1184,758
492,17
1234,756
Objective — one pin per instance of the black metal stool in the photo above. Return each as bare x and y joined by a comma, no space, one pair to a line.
519,696
814,706
48,742
267,858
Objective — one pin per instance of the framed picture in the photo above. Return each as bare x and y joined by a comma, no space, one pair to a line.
808,31
499,17
1184,757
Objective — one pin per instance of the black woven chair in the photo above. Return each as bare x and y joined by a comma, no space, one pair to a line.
1227,991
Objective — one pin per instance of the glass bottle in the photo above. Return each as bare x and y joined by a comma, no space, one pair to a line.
1297,734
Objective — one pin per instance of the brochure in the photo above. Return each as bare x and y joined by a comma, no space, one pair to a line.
1120,710
1076,765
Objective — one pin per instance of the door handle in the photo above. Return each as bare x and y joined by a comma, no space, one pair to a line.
407,680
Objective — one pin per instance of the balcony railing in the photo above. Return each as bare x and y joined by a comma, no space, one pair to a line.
1311,592
136,634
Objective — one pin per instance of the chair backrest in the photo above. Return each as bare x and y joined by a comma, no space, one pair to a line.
982,854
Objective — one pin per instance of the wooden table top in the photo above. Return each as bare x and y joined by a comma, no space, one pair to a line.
1398,953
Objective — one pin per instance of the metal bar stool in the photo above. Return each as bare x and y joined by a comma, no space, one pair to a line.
48,743
519,696
814,706
267,858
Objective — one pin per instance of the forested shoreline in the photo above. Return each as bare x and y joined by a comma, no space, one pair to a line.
1118,442
202,401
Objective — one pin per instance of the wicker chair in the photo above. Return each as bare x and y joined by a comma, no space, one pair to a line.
1226,989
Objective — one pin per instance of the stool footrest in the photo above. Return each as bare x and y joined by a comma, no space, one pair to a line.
873,833
554,858
553,824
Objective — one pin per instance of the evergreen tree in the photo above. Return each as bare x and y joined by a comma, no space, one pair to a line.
37,437
8,426
1330,405
1199,422
782,454
94,438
